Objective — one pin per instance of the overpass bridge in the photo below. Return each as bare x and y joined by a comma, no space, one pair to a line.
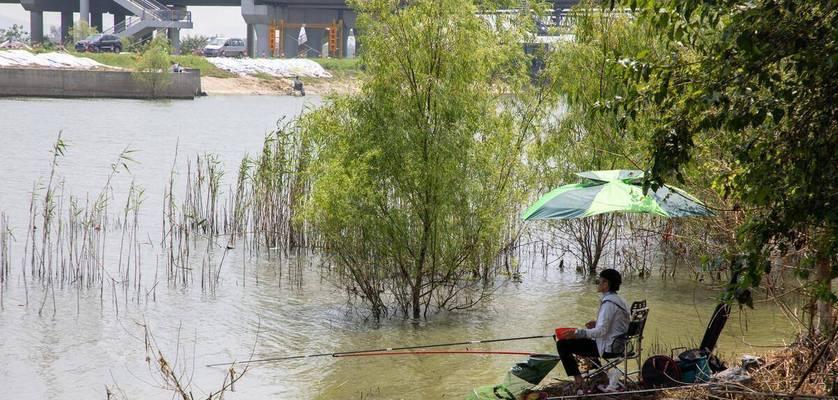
272,25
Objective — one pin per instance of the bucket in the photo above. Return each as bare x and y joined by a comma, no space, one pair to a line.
694,366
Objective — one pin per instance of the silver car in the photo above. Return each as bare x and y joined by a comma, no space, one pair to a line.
223,47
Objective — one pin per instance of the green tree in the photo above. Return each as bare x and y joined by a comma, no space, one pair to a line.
153,66
15,33
585,137
416,178
192,44
81,30
758,80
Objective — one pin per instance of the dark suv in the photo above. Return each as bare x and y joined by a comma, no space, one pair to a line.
100,42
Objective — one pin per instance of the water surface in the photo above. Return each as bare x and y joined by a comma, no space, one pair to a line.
94,338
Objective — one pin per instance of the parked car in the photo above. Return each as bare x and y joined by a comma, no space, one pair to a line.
100,42
223,47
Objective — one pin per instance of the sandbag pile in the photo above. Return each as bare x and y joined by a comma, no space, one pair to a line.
23,58
279,67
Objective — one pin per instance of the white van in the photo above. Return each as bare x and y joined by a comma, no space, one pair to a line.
223,47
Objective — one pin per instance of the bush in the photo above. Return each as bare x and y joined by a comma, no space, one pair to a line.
129,44
153,66
193,44
82,30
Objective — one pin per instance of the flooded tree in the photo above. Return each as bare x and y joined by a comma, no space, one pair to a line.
414,180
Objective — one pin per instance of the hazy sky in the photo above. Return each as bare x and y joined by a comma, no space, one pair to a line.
207,21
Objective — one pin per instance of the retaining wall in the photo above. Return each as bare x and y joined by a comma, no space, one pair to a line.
40,82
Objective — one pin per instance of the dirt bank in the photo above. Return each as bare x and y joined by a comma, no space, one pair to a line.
254,85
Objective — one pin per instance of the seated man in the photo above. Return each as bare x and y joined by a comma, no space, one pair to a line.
598,339
298,86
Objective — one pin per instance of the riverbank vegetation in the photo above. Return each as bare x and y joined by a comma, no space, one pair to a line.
642,90
732,101
743,106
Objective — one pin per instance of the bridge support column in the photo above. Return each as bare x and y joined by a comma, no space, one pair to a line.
66,23
174,39
174,33
36,26
118,22
96,20
261,40
251,40
84,11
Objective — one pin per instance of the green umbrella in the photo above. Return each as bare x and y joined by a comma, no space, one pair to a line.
614,191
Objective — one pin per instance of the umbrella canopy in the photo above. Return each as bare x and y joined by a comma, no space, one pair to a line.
614,191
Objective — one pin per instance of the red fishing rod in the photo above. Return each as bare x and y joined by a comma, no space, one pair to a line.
389,350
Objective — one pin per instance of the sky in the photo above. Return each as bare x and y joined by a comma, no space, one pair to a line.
207,21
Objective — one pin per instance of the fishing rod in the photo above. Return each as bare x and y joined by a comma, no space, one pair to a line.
425,353
381,350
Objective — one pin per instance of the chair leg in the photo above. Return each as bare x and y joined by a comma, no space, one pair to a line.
603,369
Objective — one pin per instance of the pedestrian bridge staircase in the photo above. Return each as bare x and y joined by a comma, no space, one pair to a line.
149,15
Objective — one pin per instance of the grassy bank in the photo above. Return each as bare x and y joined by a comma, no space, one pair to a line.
341,68
339,64
129,61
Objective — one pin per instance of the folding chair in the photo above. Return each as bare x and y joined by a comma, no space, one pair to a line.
633,345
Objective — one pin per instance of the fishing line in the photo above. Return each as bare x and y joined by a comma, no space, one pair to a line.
381,350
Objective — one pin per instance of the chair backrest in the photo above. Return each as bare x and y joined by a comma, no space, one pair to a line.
637,305
637,324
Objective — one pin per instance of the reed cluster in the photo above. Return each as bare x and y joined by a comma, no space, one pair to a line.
74,242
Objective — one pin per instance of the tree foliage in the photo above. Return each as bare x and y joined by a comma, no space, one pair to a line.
416,178
192,44
586,136
153,66
81,30
757,79
14,33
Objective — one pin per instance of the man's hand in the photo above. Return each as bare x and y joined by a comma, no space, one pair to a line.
564,333
567,335
590,325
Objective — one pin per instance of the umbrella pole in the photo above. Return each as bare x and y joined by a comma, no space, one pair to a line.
614,257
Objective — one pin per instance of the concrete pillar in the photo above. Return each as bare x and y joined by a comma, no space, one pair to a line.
174,39
96,20
262,49
36,26
174,33
84,11
118,22
251,40
66,23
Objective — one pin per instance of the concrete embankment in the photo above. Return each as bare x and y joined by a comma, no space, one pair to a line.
46,82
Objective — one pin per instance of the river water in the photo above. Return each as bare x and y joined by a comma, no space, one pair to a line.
94,339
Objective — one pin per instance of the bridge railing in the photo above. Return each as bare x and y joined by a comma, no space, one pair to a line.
169,15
